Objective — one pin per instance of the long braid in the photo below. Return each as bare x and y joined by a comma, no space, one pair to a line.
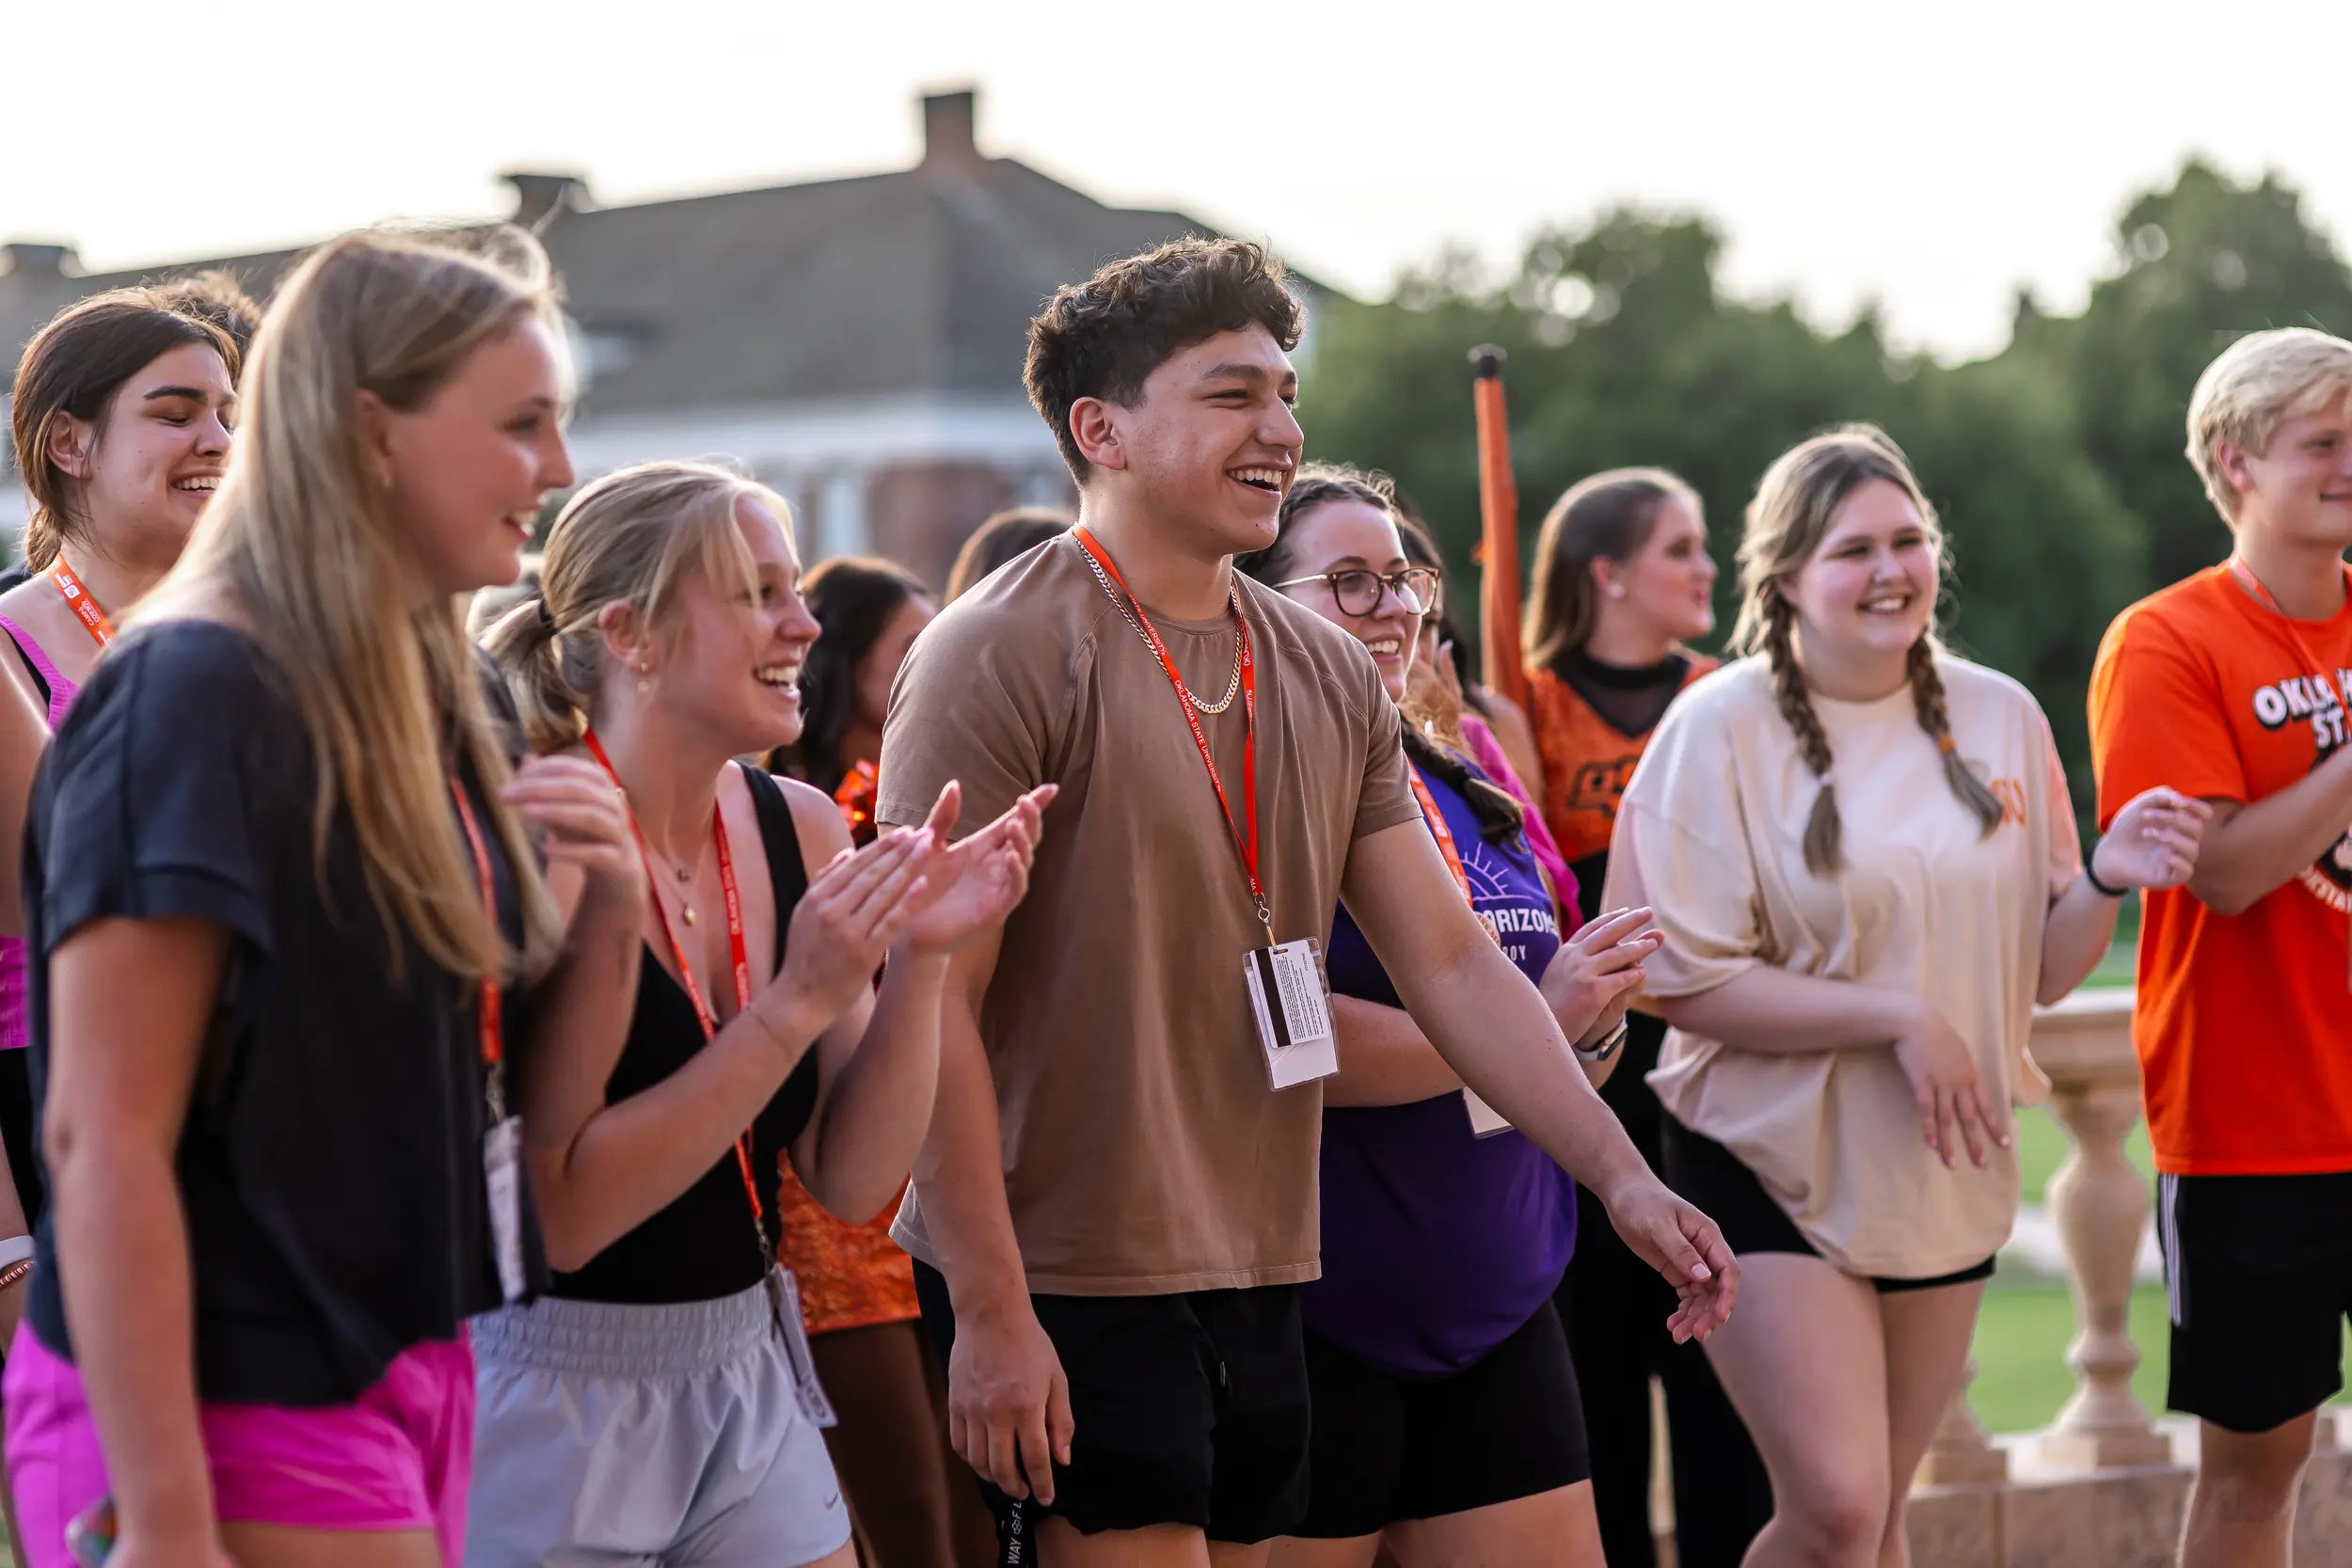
1926,696
1499,816
1823,853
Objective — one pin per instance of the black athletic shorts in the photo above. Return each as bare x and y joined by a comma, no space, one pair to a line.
1703,1172
1190,1409
2258,1280
1385,1448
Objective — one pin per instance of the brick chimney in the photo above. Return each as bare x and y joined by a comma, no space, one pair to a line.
948,144
36,259
539,196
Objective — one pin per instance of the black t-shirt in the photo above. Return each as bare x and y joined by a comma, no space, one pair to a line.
331,1162
702,1246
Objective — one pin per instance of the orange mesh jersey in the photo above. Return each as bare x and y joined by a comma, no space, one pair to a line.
850,1276
1587,761
2243,1022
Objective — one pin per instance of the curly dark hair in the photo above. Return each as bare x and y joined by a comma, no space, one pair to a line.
1104,337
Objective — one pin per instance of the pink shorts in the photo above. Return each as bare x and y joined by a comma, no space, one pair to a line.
398,1459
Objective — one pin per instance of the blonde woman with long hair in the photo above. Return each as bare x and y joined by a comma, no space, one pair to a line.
281,899
1862,854
659,1403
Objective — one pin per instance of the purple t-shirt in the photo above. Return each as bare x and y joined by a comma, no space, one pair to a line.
1438,1244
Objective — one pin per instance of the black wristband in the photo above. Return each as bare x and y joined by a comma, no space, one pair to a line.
2092,878
1606,1049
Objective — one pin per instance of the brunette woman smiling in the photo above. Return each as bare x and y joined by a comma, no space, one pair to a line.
121,415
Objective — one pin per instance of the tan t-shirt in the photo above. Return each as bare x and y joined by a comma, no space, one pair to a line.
1145,1151
1714,821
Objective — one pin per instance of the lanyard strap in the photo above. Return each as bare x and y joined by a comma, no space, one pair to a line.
86,609
489,1014
1443,831
1133,608
694,989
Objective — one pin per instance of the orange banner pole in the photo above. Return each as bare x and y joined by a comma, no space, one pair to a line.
1498,533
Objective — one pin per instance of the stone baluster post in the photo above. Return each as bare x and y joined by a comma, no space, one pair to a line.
2100,1205
1961,1454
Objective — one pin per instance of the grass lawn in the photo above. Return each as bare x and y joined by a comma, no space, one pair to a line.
2022,1336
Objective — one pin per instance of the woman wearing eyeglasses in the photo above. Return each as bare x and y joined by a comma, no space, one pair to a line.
1446,1421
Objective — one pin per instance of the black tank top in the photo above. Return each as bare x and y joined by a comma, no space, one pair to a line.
702,1245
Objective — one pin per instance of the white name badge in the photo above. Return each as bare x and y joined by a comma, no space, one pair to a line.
783,1295
1485,1122
501,1163
1287,998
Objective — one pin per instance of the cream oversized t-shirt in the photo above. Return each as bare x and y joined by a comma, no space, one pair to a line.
1711,834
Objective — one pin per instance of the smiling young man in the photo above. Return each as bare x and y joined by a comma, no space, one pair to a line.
1117,1206
2234,686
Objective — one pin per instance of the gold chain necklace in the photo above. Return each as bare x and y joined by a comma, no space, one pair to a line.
1233,686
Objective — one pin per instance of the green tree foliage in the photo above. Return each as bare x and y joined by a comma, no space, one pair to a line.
2057,464
2200,265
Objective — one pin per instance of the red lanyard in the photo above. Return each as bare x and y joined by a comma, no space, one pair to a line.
490,1013
86,609
685,966
1443,831
1142,622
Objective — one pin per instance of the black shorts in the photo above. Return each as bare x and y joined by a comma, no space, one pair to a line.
1705,1173
2258,1278
1385,1448
1190,1409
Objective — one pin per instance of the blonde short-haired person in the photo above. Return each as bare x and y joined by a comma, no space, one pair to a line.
2230,686
1861,853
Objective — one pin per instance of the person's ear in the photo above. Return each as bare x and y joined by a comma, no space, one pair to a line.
1094,425
70,445
375,429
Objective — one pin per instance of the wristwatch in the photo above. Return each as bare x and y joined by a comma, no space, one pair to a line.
1606,1049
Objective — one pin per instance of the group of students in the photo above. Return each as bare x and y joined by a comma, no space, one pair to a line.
1150,1020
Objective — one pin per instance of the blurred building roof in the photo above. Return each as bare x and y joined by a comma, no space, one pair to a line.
920,281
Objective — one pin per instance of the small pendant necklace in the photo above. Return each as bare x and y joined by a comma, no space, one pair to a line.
686,879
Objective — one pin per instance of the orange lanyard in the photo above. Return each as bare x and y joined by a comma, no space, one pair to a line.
1443,831
1142,622
490,1014
708,1020
86,609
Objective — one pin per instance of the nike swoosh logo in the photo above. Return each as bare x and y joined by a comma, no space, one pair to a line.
834,1501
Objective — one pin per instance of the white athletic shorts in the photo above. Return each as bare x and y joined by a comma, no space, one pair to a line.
616,1435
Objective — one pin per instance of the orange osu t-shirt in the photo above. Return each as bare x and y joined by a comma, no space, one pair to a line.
2244,1022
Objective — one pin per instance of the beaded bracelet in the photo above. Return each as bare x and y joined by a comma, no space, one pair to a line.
15,1271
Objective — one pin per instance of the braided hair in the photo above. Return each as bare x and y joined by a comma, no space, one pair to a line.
1786,523
1499,815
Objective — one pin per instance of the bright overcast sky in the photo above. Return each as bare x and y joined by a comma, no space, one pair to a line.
1931,157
